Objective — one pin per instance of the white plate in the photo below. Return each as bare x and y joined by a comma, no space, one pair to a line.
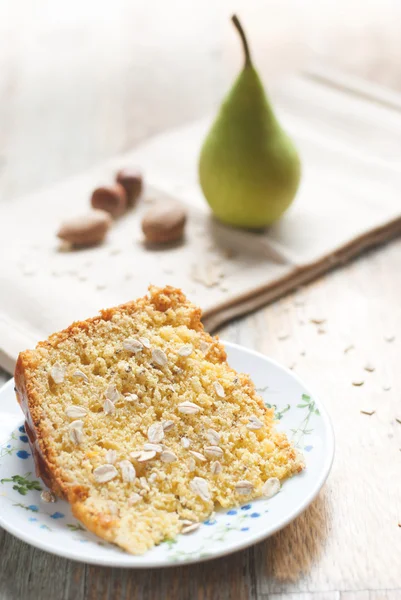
52,527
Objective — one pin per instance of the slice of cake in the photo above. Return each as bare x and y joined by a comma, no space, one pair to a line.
136,419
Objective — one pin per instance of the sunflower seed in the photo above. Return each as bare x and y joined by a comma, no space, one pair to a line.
57,373
131,397
109,407
213,436
47,496
127,470
185,350
185,442
168,425
198,456
200,487
134,499
254,423
190,528
218,388
213,451
75,431
159,357
271,487
155,433
146,455
144,341
111,393
168,457
156,447
188,408
216,467
144,484
80,375
191,464
105,473
111,457
132,345
244,487
75,412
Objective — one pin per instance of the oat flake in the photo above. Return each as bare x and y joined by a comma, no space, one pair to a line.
155,433
188,408
105,473
185,442
168,425
57,373
213,451
75,412
218,388
127,470
47,496
134,499
109,407
244,487
198,456
80,375
168,457
200,487
111,457
213,436
132,345
159,357
186,350
271,487
254,423
75,431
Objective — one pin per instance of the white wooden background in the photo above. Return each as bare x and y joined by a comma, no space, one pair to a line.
82,81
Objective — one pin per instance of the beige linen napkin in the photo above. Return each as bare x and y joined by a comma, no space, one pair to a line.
348,136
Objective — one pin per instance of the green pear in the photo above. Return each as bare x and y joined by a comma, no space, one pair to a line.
249,169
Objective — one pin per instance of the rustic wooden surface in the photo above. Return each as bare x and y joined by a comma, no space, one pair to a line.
80,82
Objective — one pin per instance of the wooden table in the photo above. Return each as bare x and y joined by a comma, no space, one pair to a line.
80,82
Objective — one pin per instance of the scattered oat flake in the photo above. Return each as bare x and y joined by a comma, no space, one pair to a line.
146,455
159,357
76,431
213,451
168,457
349,348
198,455
131,397
185,442
368,412
47,496
111,457
112,393
127,470
369,368
144,483
200,487
271,487
105,473
80,375
188,408
213,436
57,373
156,447
168,425
109,407
191,464
254,423
389,338
358,383
186,350
204,346
156,433
145,342
321,331
218,388
75,412
398,420
190,528
244,487
132,345
386,387
216,467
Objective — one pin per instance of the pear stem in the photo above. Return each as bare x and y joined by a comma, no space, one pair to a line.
244,41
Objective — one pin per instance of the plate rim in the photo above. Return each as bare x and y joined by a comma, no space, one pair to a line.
308,499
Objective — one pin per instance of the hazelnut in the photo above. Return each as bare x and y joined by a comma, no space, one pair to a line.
112,199
164,223
132,182
86,230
